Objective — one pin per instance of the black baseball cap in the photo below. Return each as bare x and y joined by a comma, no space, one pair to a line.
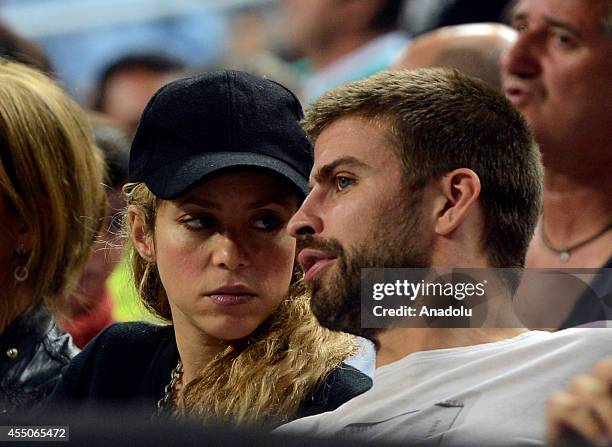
202,126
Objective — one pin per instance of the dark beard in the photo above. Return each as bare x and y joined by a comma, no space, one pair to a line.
400,244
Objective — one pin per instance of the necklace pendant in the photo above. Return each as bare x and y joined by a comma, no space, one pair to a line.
564,256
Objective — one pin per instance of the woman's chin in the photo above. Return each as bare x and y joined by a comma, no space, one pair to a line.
231,330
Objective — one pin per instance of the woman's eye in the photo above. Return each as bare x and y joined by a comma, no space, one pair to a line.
343,183
199,223
267,223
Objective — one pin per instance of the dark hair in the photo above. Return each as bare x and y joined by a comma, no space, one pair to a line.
153,62
22,50
440,120
115,145
452,12
388,17
607,19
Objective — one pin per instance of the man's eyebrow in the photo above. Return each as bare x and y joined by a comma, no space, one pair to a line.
325,172
563,25
516,16
521,16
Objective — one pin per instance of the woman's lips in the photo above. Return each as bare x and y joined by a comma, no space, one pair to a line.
231,295
230,300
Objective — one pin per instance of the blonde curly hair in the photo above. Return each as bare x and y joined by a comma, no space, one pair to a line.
261,379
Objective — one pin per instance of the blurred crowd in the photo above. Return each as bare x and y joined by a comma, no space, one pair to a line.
104,90
309,47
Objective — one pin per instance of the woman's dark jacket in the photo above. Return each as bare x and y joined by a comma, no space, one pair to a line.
33,351
130,363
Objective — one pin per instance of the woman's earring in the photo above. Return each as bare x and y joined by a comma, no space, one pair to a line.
21,272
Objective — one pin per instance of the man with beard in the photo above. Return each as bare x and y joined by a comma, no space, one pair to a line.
430,168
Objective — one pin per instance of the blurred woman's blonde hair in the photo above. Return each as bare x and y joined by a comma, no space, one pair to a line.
51,179
261,379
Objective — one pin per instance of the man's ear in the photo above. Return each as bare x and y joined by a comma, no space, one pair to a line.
140,234
459,190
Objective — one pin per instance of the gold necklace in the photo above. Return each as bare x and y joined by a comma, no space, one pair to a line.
565,252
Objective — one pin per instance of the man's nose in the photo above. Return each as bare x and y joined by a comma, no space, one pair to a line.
307,219
522,60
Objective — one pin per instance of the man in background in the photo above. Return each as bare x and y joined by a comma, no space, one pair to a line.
342,40
125,86
421,17
25,51
559,75
94,304
474,49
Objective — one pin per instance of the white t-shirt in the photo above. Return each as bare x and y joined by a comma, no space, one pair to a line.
490,394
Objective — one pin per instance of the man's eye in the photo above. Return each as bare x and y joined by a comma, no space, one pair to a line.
343,182
562,38
519,27
267,223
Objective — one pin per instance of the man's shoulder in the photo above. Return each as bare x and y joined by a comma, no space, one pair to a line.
595,338
559,354
580,343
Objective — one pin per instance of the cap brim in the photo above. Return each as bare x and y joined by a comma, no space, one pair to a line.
175,179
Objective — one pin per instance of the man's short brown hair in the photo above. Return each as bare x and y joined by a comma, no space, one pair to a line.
440,120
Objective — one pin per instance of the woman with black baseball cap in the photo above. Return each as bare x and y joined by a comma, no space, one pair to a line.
218,166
